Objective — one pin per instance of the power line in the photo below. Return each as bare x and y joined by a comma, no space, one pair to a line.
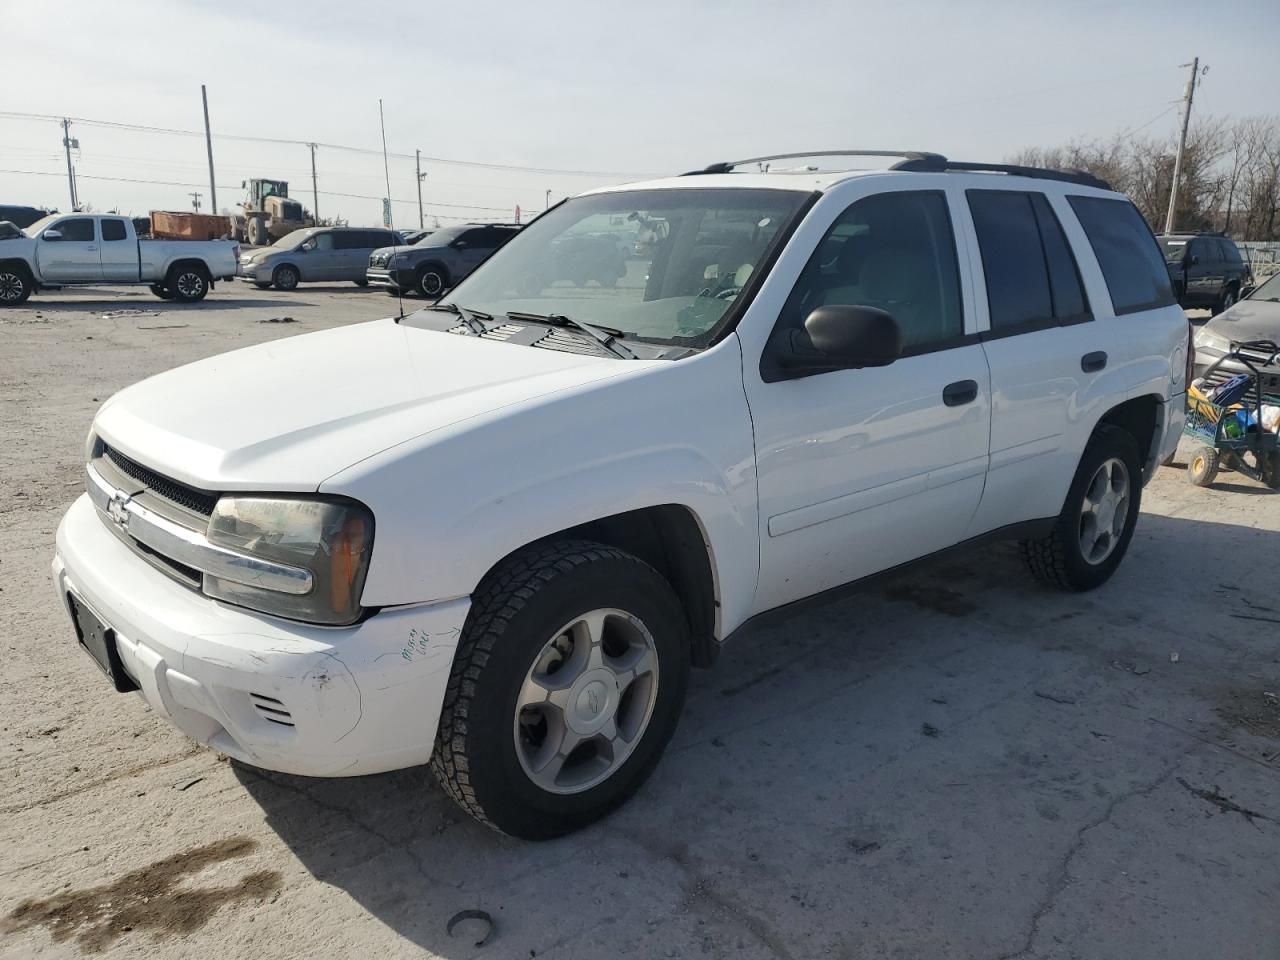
170,131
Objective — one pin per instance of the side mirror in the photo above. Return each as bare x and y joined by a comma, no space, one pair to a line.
307,246
1194,258
840,337
459,244
52,234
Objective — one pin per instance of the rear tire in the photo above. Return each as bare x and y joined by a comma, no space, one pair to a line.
1093,531
1227,300
1203,467
286,277
188,284
15,285
256,231
1271,469
613,629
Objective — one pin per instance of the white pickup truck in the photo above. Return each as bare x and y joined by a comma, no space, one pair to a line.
496,533
73,249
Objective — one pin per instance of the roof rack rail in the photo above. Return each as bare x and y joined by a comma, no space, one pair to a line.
909,155
933,164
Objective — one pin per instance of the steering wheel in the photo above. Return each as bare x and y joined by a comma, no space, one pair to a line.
728,293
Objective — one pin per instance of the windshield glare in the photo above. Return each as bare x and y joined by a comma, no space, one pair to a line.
291,240
660,265
41,225
1269,290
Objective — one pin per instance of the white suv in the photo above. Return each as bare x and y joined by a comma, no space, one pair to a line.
495,534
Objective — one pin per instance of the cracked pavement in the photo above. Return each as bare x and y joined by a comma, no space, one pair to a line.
954,762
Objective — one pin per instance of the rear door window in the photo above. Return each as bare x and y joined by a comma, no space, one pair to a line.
1230,253
114,230
1013,259
1127,252
1069,301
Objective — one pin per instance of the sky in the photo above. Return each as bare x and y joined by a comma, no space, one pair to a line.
579,94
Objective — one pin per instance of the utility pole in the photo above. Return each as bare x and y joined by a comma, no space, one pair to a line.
195,201
315,194
67,144
208,142
417,163
1182,140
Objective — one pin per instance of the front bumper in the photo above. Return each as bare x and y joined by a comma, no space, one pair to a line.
284,696
394,279
253,272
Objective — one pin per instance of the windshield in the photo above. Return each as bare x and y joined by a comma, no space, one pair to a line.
1269,290
291,240
661,265
41,225
1174,250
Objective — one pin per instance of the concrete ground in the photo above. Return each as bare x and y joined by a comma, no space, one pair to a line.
953,763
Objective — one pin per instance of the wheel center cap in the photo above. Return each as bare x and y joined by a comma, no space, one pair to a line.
592,701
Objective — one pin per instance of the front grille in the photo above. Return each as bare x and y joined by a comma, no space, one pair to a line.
201,501
271,709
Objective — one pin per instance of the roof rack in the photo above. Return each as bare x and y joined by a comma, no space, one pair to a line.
727,167
920,161
936,164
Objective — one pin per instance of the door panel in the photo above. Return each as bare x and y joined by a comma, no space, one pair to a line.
119,251
75,258
860,470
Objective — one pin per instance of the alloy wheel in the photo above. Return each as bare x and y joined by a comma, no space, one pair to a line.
1105,511
11,287
586,701
190,284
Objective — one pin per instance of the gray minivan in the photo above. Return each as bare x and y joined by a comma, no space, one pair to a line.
314,254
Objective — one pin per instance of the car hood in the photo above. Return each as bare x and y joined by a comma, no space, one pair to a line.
287,415
1248,320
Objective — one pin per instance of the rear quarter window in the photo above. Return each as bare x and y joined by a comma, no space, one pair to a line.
1131,261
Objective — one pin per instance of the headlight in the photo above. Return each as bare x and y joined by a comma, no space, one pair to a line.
330,538
1207,339
247,258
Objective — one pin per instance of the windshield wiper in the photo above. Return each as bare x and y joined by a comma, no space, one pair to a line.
471,319
607,337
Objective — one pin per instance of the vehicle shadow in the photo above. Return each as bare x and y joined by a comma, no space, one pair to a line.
150,303
879,757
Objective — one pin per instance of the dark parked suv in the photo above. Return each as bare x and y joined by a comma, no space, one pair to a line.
438,261
1207,270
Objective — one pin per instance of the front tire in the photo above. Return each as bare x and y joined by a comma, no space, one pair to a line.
565,689
15,286
431,282
286,277
1227,301
1093,531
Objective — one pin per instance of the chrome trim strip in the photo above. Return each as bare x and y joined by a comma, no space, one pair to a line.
191,547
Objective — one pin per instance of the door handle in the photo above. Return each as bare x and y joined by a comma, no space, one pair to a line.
1093,362
959,393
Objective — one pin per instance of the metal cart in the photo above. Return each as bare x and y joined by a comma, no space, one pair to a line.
1225,432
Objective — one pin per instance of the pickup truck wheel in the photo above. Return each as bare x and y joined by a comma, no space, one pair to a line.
161,291
188,284
431,281
1093,531
565,689
15,286
286,277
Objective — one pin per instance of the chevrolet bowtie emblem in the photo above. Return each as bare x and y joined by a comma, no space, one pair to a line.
116,509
